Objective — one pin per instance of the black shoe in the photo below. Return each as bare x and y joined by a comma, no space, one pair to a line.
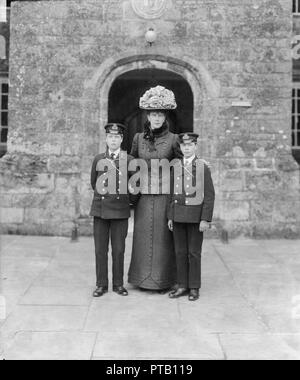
120,290
180,292
99,292
194,295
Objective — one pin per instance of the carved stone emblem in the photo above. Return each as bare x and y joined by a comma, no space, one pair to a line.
149,9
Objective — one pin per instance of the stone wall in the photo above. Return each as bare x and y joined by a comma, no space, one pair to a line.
64,57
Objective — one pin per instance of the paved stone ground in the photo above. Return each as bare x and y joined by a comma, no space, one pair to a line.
248,308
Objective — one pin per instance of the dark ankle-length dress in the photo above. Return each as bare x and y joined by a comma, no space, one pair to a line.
153,264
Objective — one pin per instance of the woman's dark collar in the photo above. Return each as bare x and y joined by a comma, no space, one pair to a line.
164,130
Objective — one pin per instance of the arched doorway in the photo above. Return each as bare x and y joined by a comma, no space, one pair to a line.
126,90
205,92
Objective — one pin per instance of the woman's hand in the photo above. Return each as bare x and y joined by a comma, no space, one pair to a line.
204,226
171,225
131,189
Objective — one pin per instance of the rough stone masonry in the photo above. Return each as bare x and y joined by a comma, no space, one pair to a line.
64,57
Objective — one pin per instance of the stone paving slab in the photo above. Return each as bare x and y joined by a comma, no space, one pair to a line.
215,287
249,306
282,322
212,265
135,313
57,296
163,344
230,315
45,318
22,247
51,346
61,273
258,347
13,291
269,295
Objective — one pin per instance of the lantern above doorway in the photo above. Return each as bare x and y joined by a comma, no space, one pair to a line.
151,36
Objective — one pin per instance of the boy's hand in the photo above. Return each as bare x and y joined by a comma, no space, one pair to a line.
204,226
207,164
170,225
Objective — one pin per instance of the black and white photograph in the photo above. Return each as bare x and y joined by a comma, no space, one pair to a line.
149,183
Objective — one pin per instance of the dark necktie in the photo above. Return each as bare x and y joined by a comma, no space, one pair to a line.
112,156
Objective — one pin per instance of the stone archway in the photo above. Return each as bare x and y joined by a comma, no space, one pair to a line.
125,94
205,89
96,95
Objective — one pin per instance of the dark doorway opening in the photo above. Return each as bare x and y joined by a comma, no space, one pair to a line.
127,90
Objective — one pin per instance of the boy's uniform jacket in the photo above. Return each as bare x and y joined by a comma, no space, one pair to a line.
111,206
187,208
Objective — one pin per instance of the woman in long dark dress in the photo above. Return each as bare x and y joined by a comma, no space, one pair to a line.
153,258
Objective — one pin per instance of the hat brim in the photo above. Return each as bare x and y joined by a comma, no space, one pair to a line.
114,133
157,109
188,142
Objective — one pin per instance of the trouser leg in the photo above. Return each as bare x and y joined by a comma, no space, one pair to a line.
181,250
101,238
195,241
119,230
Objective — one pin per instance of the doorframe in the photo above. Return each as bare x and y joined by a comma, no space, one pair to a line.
205,89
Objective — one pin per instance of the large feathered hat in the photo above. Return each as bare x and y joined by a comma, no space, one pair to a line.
158,98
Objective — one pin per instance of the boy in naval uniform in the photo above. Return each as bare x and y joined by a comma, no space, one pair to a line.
190,216
111,210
